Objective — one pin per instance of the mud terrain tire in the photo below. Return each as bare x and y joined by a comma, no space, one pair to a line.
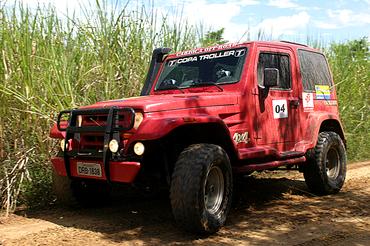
78,193
201,188
325,171
63,190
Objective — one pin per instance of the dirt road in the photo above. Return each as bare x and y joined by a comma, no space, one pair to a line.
273,208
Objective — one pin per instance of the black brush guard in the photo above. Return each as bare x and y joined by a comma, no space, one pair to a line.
111,130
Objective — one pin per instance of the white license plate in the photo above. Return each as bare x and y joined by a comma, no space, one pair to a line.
89,169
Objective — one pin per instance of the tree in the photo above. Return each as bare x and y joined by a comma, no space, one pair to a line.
213,38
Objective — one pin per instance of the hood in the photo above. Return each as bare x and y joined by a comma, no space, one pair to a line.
157,103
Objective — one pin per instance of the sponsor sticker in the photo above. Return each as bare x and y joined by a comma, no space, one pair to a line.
307,99
322,92
280,109
331,103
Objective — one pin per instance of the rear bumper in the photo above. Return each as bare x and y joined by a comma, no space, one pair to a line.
123,172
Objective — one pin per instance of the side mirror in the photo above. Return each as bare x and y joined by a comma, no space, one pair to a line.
270,77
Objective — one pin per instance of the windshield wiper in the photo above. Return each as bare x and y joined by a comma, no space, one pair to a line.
172,86
210,83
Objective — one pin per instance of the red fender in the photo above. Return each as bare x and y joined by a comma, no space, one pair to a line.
156,128
313,127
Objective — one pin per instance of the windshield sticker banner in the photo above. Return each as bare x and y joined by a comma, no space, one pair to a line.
235,53
322,92
207,49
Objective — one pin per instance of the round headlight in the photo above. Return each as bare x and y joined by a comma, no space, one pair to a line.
62,144
139,148
113,145
138,119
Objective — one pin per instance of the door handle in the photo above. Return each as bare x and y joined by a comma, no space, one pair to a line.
294,103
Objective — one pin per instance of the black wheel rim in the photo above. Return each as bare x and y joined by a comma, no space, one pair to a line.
214,190
332,163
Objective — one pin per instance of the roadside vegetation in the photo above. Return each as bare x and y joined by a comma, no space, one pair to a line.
350,65
49,63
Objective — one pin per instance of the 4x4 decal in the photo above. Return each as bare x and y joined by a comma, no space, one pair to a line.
241,137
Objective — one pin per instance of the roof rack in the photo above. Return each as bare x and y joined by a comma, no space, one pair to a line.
290,42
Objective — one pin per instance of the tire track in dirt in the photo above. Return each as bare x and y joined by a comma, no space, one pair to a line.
270,208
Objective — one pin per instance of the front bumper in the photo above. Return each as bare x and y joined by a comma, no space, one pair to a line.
123,172
110,169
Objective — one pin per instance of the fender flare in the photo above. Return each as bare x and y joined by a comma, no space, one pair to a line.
315,121
156,128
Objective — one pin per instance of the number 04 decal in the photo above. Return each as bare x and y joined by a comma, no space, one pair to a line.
280,109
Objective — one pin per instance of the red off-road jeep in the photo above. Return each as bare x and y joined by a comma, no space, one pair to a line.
203,116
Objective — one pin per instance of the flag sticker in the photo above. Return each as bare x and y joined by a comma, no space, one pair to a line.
322,92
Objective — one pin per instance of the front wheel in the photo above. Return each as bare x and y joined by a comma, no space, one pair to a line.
201,188
325,171
76,192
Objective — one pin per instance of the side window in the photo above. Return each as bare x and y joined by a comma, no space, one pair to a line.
279,61
314,70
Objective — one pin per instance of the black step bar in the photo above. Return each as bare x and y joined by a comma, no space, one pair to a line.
111,130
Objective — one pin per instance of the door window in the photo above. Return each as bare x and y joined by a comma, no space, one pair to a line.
278,61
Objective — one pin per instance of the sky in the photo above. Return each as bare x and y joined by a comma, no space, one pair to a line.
276,19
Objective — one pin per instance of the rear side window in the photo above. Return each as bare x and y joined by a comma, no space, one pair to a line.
279,61
314,70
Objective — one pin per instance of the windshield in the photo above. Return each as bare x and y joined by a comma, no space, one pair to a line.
219,67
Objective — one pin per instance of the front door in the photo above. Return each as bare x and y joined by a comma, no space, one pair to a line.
277,108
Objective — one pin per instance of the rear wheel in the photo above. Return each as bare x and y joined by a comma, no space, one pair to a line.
201,188
325,171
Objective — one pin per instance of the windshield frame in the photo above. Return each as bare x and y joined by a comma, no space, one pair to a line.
156,86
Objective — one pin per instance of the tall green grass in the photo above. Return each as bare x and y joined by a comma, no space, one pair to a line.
50,62
350,64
